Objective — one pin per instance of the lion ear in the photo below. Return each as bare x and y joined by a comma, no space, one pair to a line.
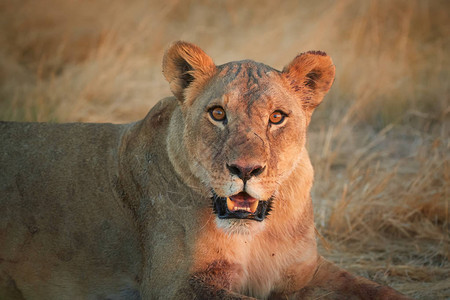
186,66
310,75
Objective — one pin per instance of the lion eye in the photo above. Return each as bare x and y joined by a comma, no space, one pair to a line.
277,117
217,113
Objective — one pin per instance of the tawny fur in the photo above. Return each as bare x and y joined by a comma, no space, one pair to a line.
102,211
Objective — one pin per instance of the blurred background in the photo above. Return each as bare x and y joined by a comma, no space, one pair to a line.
379,142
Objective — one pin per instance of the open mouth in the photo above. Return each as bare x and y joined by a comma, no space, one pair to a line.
241,206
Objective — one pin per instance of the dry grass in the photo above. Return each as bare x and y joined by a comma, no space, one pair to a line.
380,142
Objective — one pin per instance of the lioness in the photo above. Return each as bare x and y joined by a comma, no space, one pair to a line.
207,197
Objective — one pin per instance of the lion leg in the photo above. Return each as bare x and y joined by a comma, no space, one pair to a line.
333,282
216,281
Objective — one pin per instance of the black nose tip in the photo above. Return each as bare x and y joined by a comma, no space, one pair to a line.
245,172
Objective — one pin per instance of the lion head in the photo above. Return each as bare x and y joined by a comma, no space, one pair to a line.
241,126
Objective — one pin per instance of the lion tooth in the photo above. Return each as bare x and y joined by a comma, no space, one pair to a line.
230,204
253,206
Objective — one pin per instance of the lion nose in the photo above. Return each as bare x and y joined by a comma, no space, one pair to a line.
245,172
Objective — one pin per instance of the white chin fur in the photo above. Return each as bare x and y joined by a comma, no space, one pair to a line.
240,227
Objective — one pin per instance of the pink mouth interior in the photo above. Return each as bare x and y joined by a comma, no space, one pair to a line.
242,201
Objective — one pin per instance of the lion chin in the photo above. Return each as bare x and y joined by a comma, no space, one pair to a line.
240,226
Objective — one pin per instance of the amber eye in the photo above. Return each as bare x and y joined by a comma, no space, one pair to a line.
217,113
277,117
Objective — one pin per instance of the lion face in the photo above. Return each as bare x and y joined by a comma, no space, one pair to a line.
244,126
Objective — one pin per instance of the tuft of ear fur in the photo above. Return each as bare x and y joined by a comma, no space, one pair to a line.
186,66
310,75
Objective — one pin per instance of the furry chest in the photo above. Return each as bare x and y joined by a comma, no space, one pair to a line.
264,264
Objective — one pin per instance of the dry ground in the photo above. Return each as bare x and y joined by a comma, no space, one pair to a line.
379,143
